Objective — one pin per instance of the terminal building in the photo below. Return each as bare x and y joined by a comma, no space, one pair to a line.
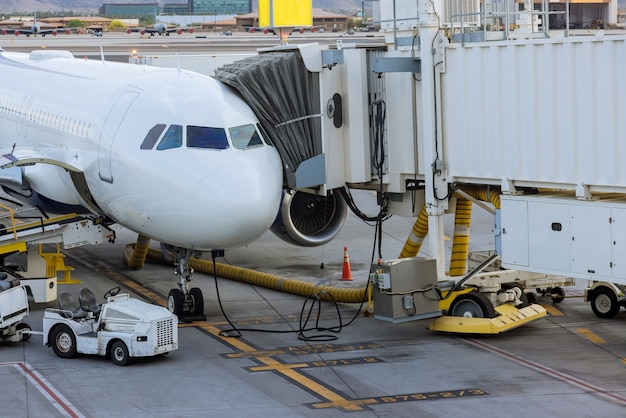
201,7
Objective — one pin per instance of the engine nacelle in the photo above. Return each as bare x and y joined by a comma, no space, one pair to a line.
309,220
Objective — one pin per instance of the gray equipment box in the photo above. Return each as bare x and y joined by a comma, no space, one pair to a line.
403,289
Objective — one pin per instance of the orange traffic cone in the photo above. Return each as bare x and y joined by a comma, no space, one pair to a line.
346,275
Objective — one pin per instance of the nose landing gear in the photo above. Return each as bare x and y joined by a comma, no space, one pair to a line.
184,302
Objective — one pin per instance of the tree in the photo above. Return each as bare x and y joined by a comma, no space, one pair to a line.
75,23
116,24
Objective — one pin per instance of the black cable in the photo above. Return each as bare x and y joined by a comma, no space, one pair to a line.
302,328
225,333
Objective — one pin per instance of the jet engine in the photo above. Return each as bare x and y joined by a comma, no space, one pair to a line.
309,220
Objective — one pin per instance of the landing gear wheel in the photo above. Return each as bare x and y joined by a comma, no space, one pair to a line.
472,305
604,302
558,295
63,341
175,301
112,292
23,326
197,301
119,353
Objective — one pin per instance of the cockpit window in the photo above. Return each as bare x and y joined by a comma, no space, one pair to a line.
244,136
153,136
173,138
203,137
266,137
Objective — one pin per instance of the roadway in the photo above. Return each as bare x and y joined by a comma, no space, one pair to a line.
119,46
568,364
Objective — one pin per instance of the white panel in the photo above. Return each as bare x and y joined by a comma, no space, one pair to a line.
356,116
591,240
538,111
400,129
514,219
332,138
618,241
549,235
405,9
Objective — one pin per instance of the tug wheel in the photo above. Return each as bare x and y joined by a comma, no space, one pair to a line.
119,353
604,302
472,305
63,341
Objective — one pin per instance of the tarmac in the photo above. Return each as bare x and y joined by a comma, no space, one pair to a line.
345,363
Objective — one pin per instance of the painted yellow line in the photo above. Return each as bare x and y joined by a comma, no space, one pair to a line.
269,363
138,288
345,404
256,354
280,367
590,336
553,311
273,364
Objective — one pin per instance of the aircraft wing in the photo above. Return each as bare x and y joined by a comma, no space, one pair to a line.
153,31
54,32
180,30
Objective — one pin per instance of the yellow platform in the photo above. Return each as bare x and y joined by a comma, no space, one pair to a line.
510,317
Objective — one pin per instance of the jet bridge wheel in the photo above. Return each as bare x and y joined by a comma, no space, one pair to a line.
63,341
558,295
604,302
472,305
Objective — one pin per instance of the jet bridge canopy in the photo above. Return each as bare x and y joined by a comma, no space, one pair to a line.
278,87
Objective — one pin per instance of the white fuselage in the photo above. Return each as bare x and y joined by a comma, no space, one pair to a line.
96,115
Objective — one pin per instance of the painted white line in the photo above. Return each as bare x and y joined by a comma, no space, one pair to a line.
46,389
551,372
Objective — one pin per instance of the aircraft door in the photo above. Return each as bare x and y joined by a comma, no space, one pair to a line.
110,131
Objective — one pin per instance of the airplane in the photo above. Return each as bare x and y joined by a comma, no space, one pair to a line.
35,29
173,155
159,28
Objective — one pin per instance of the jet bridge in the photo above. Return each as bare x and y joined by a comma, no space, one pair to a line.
462,102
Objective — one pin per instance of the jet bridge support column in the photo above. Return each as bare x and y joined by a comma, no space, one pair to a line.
428,120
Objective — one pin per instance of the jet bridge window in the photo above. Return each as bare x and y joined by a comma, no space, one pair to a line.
173,138
204,137
244,136
153,136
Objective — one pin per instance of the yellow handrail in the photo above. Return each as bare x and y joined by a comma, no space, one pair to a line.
12,216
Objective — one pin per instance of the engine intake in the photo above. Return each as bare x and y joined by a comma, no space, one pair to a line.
309,220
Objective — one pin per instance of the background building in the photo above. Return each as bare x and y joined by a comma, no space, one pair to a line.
220,7
129,9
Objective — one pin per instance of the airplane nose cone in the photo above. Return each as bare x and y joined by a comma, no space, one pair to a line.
243,202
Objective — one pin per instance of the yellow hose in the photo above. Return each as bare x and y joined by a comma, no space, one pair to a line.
482,193
138,257
416,237
460,241
270,281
